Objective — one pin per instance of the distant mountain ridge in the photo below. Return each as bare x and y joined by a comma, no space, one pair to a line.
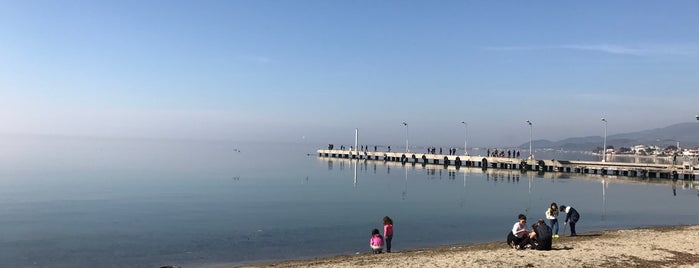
685,133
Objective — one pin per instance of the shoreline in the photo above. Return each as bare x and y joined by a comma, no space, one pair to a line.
667,246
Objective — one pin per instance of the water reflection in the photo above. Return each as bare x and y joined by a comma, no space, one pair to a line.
674,190
404,195
604,199
355,173
497,176
502,186
529,195
114,201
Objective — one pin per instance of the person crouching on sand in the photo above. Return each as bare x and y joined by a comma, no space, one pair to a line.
376,241
541,236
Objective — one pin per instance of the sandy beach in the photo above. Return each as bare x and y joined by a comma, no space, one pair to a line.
676,246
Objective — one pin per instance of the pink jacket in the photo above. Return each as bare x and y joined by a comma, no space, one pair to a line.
388,229
376,241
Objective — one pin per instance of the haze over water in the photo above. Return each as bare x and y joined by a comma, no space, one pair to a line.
68,202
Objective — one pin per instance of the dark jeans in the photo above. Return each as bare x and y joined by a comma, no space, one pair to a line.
572,227
521,241
554,225
388,242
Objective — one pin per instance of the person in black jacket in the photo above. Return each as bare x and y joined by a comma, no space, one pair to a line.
541,236
572,217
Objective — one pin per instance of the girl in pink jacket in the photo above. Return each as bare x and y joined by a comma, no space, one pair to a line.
388,232
376,241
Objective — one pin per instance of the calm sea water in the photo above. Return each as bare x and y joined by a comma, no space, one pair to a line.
69,202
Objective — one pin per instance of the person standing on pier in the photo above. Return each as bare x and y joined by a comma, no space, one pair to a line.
572,217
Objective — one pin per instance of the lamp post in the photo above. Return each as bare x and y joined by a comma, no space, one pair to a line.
465,136
407,145
531,153
604,147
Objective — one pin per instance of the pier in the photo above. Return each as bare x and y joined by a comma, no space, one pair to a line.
660,171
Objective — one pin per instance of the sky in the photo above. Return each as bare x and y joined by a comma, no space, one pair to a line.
313,71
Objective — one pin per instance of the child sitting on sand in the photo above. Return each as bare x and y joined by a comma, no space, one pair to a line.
376,241
518,238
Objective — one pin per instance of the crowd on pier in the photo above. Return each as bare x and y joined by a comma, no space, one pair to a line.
512,153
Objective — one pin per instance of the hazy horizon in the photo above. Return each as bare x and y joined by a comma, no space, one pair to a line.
346,140
313,71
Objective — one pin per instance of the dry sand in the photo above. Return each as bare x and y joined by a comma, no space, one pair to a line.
676,246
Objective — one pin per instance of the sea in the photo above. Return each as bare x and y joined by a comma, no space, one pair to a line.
99,202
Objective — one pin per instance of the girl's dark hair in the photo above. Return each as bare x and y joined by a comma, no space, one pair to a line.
554,205
387,220
374,232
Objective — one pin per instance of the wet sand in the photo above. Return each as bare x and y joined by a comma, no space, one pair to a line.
676,246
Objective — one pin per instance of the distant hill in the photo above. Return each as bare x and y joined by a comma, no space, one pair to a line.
686,133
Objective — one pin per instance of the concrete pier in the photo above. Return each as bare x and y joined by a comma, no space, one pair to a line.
662,171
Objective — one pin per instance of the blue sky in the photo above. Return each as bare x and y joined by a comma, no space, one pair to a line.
314,71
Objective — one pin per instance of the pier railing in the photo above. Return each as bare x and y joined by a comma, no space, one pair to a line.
667,171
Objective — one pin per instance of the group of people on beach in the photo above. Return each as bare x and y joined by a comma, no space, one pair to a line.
540,235
376,242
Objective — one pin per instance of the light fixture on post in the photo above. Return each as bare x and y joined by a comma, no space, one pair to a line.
604,146
465,136
407,145
531,153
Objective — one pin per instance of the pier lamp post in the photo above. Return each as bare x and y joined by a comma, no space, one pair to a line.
604,146
531,153
407,145
465,136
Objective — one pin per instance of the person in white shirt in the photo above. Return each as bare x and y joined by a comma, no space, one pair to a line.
518,238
